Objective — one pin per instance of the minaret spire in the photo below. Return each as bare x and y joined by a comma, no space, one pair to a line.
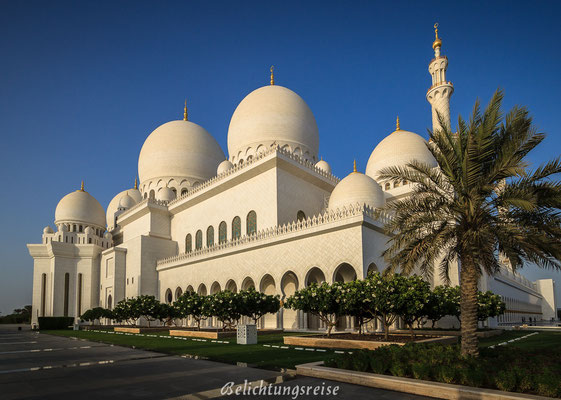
354,166
272,75
441,90
397,127
185,111
135,182
82,187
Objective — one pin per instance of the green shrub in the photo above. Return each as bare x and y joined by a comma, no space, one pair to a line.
399,369
380,365
547,384
361,361
421,370
46,323
471,376
506,380
446,374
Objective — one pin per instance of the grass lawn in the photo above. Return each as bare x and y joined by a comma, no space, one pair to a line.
255,355
543,340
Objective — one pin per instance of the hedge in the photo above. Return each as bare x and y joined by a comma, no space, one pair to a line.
46,323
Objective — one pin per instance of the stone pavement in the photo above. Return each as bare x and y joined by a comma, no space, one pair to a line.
40,366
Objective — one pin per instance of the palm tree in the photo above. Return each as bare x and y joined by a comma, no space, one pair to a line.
481,202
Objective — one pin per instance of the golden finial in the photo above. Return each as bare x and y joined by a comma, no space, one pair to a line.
82,188
354,166
437,42
272,75
135,182
397,128
185,111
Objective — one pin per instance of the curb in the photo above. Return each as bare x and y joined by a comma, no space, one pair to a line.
408,385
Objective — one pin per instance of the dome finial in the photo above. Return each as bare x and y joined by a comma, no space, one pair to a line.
354,166
185,111
135,182
397,127
82,187
437,42
272,75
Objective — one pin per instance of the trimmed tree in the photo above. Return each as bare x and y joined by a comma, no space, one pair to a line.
357,302
226,307
325,301
443,301
194,305
489,305
255,305
414,293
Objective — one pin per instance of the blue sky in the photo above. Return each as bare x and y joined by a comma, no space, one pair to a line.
84,83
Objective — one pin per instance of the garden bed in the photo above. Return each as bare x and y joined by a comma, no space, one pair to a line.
367,341
438,332
532,371
138,329
204,334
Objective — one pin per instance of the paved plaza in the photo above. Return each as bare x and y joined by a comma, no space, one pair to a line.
41,366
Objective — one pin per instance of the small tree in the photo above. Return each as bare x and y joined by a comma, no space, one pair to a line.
386,298
127,310
325,301
194,305
255,305
226,307
414,293
357,302
489,305
148,307
443,301
92,314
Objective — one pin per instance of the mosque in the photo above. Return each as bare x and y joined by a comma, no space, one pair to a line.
270,216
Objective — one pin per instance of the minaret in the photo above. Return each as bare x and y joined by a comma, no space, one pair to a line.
441,90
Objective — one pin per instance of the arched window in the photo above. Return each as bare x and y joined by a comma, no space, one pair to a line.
199,240
145,195
188,243
152,194
210,236
222,233
405,182
236,228
300,216
109,302
387,186
251,223
43,293
183,192
396,184
169,296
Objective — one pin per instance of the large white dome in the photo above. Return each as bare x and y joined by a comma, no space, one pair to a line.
179,149
80,207
399,149
272,115
356,188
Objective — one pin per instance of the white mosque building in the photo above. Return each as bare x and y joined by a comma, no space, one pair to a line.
271,216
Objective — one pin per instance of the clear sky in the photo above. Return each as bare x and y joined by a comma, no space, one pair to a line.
84,83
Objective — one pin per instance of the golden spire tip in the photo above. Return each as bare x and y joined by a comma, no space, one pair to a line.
82,187
437,41
397,127
354,165
185,111
436,30
272,75
135,182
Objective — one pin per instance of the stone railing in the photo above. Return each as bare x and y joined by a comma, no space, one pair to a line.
296,226
247,164
149,200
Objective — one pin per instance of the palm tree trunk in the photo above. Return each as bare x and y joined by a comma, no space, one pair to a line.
468,307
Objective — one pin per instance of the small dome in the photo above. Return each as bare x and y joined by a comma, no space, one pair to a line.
272,115
180,150
48,229
224,166
62,228
356,188
323,165
126,202
80,207
399,149
114,204
89,230
165,194
108,235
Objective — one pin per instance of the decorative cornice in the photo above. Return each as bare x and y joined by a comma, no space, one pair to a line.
278,231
